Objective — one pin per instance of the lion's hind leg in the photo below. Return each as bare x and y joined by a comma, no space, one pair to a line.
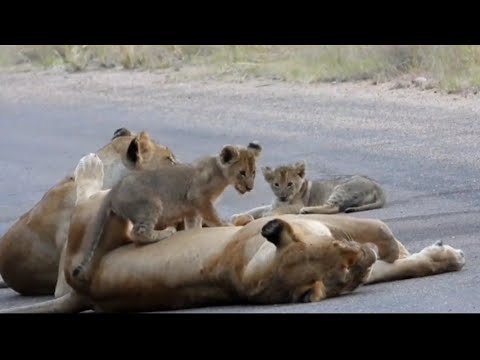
88,176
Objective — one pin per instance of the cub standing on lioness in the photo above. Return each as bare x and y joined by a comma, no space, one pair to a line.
163,197
295,194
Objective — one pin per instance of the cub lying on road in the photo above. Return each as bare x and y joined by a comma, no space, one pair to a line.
295,194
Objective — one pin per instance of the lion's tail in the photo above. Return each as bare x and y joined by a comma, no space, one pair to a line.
96,234
68,303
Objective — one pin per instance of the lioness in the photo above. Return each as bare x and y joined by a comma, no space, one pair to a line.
30,249
161,198
295,194
281,259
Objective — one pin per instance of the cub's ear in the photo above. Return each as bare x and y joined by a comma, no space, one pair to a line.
267,173
300,168
279,233
121,132
140,150
229,154
255,148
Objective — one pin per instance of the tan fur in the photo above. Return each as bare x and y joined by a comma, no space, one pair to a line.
295,194
30,250
272,260
161,198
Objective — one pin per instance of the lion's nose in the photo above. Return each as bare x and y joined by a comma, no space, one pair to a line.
283,198
248,187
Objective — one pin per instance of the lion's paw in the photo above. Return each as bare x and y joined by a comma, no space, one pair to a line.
450,258
88,176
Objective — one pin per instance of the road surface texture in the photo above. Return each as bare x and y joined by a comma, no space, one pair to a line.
422,146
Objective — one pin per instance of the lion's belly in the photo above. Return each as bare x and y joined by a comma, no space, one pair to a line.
28,262
167,274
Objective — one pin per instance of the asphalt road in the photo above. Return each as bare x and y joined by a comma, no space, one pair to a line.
425,155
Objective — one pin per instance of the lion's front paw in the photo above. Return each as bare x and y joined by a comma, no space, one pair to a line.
445,256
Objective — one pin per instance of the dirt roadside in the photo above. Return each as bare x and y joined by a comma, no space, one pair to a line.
139,87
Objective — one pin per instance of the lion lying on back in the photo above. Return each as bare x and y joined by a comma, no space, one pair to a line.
295,194
30,250
272,260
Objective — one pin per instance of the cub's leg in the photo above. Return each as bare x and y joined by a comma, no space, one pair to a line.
193,222
376,205
210,215
324,209
144,216
287,209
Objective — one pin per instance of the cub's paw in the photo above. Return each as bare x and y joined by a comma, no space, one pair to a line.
306,210
241,219
170,230
160,235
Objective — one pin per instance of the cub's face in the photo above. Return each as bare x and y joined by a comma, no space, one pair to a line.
285,181
239,165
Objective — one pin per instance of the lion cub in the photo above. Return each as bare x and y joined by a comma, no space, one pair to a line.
160,198
295,194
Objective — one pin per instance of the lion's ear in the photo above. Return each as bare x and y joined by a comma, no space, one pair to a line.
121,132
133,151
279,233
140,150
